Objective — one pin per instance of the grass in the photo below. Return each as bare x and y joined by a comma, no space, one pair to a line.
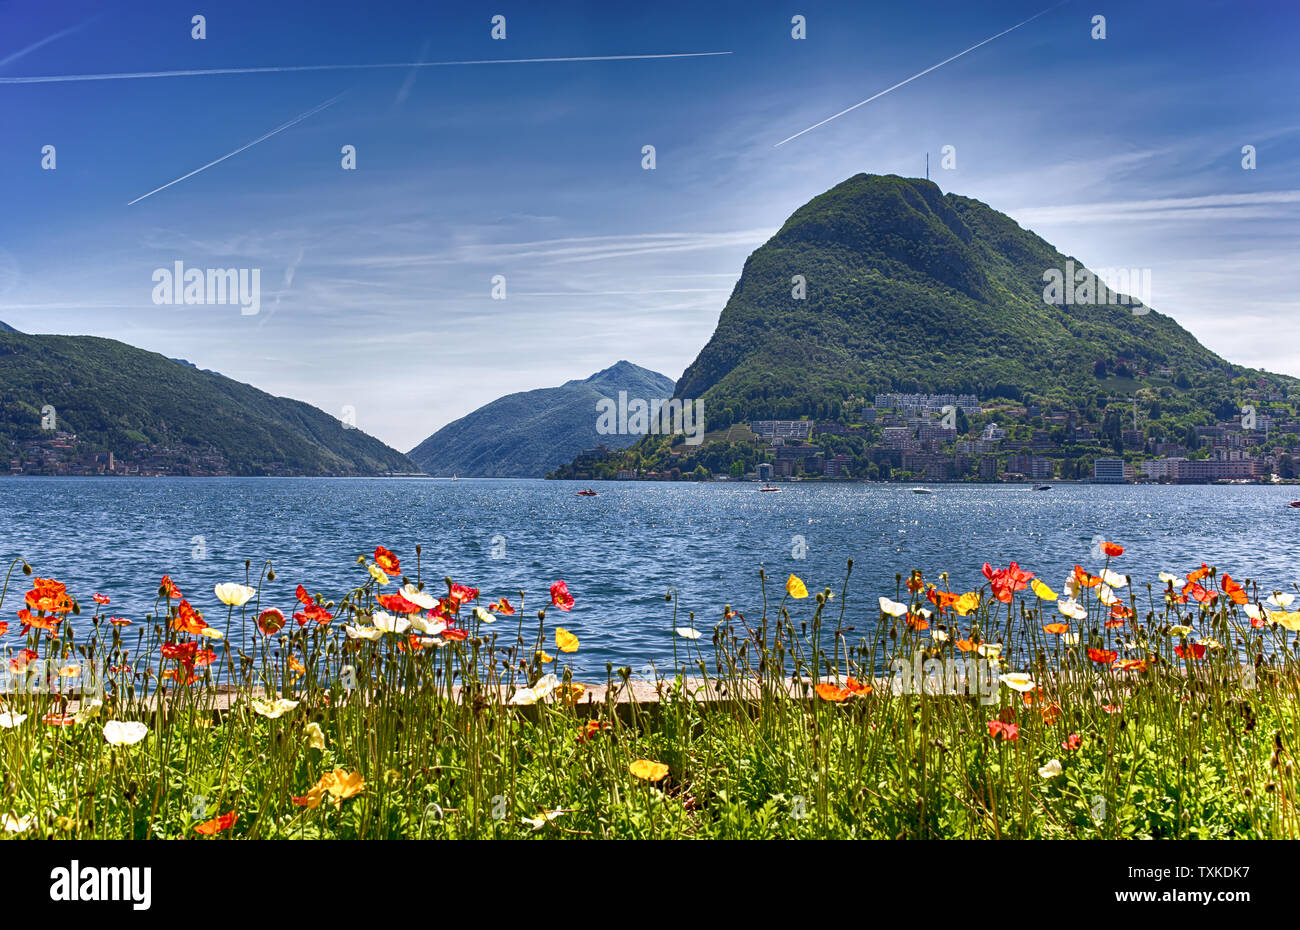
344,723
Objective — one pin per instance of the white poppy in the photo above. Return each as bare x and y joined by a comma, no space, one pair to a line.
1018,681
9,720
234,595
362,632
484,616
17,824
419,598
1114,579
426,625
1107,596
125,733
688,632
892,608
1051,769
88,711
273,709
387,623
1280,599
1170,579
1070,639
1072,609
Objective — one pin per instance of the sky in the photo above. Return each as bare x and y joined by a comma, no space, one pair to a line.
377,282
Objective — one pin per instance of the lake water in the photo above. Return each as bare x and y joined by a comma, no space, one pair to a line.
619,551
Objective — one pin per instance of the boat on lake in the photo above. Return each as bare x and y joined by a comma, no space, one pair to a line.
768,487
921,491
587,493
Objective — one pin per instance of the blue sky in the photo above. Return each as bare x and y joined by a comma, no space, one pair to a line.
376,282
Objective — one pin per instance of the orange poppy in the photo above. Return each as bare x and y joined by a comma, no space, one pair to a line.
188,620
462,593
168,589
217,824
1130,665
1112,549
1056,628
829,692
1084,579
387,562
1104,656
398,604
501,607
1234,590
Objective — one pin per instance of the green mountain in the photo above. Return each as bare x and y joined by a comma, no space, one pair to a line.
136,404
526,434
885,284
912,290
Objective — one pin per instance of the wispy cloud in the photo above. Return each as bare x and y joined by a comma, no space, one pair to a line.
1200,209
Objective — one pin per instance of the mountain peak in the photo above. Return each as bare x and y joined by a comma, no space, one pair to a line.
6,328
884,283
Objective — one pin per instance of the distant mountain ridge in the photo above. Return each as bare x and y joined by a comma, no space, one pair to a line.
117,398
526,434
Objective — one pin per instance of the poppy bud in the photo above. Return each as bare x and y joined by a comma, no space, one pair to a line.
27,569
270,574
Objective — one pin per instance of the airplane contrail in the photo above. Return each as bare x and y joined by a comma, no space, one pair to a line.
281,128
46,41
917,75
134,75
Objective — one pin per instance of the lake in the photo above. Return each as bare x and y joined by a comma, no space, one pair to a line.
622,550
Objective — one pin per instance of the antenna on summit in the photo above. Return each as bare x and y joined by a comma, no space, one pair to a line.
927,166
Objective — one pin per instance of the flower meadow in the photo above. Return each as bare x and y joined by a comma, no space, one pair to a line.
1116,707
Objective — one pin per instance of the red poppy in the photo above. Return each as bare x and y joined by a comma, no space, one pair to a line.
19,661
100,598
1193,651
1004,582
205,657
185,677
501,607
4,627
1197,574
302,595
1111,708
1051,713
30,620
560,596
217,824
593,727
270,621
387,562
59,720
1004,731
942,600
1072,742
183,652
119,621
168,589
1111,549
1200,594
398,604
1102,656
313,612
463,593
457,635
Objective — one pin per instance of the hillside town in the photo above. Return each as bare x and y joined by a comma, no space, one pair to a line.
60,453
953,437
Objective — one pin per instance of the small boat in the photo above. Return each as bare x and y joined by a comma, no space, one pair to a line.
768,487
921,491
587,493
454,478
1294,504
1042,487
